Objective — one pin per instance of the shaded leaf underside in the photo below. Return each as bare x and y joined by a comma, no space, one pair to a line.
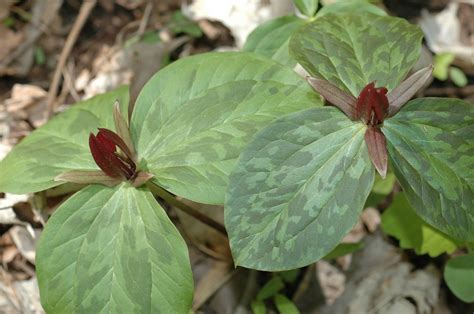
113,250
297,189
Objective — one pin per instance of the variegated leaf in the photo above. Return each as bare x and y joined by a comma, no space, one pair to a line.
271,39
431,146
193,118
353,49
297,189
109,250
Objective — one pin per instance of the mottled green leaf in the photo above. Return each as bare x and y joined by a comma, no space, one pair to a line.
344,249
285,305
353,49
307,7
193,118
297,189
271,39
109,250
60,145
344,6
431,146
401,222
459,275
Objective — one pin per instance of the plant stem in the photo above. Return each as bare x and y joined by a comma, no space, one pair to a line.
171,199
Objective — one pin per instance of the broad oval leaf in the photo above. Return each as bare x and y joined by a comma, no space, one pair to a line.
271,39
459,276
401,222
431,146
58,146
297,189
193,118
113,250
353,49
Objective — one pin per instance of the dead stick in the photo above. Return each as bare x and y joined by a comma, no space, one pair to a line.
84,12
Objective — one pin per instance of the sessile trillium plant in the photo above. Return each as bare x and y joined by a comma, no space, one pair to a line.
301,183
372,107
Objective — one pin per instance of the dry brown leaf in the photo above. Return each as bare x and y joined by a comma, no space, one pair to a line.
205,238
27,102
219,273
5,8
331,279
10,41
9,253
371,218
25,242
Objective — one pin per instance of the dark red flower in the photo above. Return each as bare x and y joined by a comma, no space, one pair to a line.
115,163
372,105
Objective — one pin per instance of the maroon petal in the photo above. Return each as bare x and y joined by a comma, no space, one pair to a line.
362,101
377,146
116,140
105,143
104,158
372,104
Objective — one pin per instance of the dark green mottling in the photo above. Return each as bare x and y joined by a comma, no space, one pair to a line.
194,117
271,39
353,49
297,189
111,250
431,147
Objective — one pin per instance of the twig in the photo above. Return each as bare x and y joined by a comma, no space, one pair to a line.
439,91
68,78
145,19
84,12
171,199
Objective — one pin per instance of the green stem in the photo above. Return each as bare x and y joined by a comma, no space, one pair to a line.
171,199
